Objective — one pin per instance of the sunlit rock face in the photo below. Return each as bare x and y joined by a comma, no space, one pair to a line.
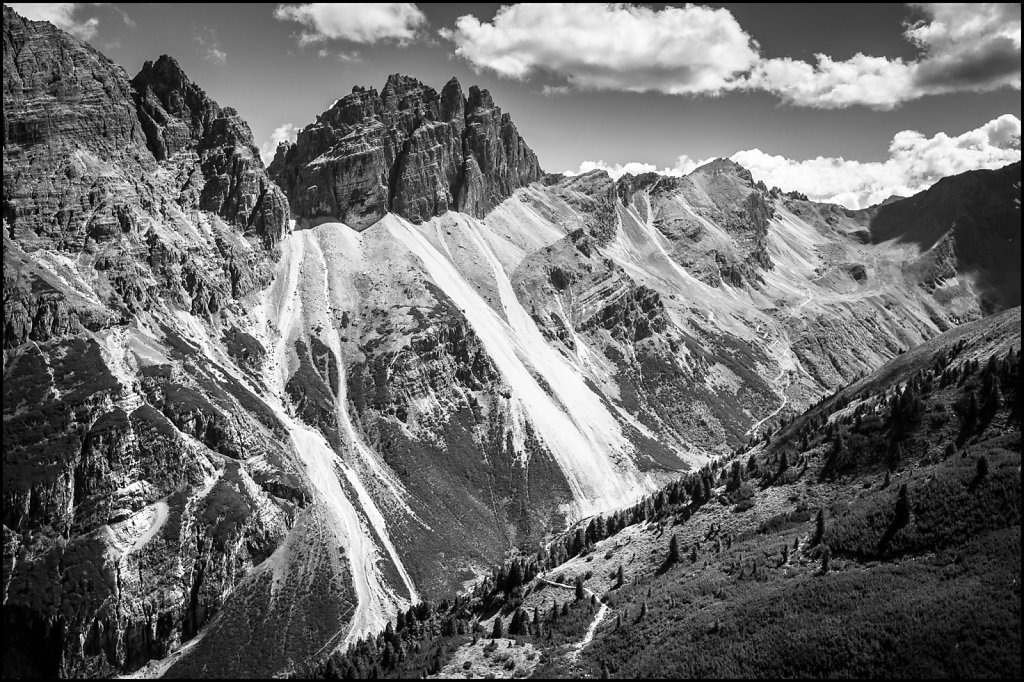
407,150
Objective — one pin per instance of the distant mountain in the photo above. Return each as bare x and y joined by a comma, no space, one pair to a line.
965,223
252,415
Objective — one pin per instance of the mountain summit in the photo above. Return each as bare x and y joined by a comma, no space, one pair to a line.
407,150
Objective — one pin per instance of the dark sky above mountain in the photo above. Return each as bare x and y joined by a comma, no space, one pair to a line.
850,103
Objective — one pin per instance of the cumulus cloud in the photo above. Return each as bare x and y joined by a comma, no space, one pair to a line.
964,48
207,39
702,51
63,15
355,21
284,133
968,46
874,82
610,47
683,166
915,162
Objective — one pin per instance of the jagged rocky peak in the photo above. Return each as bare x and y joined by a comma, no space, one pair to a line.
408,150
175,112
178,116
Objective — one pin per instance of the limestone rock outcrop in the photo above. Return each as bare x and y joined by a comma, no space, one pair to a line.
408,150
177,116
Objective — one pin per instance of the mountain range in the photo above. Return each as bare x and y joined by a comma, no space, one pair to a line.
254,414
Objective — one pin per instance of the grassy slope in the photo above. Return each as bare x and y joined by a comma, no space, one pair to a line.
937,595
932,590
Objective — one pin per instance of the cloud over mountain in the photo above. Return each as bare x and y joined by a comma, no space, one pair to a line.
64,15
355,21
611,47
702,51
915,162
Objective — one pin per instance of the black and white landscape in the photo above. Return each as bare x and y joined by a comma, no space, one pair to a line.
362,341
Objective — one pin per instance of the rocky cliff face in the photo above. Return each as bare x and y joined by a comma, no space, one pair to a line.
109,170
131,506
408,150
177,117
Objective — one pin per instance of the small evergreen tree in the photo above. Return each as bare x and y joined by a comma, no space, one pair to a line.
499,628
673,550
819,526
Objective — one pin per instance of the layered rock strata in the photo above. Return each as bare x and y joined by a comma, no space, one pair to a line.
407,150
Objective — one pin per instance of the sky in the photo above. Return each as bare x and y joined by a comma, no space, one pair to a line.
846,103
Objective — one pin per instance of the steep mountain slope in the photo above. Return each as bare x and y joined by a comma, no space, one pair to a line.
967,223
264,420
128,516
905,560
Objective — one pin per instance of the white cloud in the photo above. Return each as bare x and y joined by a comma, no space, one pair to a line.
967,46
207,39
284,133
702,51
874,82
610,46
682,166
964,48
352,56
915,163
355,21
61,15
128,21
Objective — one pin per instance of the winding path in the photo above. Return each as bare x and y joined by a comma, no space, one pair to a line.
579,646
777,381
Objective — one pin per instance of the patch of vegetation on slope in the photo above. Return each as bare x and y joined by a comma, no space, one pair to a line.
813,552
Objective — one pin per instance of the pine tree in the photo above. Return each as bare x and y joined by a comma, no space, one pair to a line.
902,508
819,526
499,628
580,592
620,577
970,419
735,477
673,550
